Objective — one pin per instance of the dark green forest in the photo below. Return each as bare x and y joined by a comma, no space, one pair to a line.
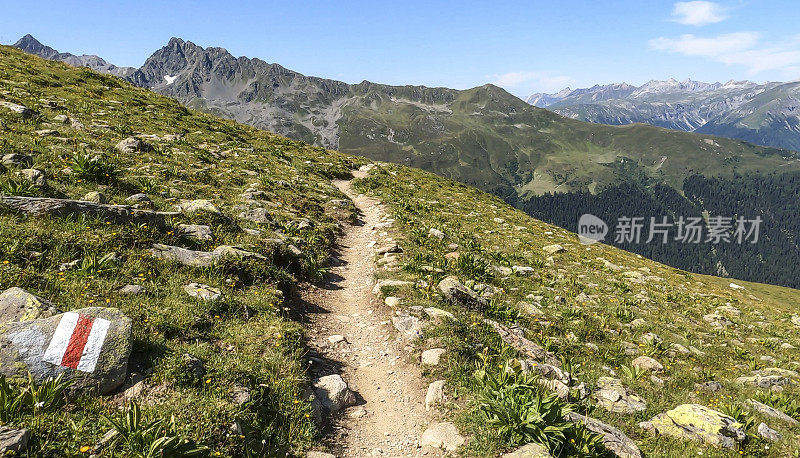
773,259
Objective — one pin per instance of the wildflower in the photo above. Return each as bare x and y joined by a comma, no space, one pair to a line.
208,381
85,448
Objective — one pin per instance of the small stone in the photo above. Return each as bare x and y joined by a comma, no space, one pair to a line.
96,197
21,110
433,356
437,314
201,291
241,395
532,450
198,206
647,363
336,338
768,433
711,386
333,393
16,304
132,290
553,249
442,435
17,160
435,394
436,233
140,198
392,301
196,231
34,176
132,145
699,423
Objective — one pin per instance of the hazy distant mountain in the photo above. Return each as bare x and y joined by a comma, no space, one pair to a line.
31,45
765,114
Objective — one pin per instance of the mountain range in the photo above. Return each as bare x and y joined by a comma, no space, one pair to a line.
765,114
482,136
533,158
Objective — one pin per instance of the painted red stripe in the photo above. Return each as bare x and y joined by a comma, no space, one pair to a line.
77,341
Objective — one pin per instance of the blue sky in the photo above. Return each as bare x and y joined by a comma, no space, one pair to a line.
524,46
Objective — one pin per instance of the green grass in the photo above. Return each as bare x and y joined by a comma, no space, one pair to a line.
245,340
248,339
583,303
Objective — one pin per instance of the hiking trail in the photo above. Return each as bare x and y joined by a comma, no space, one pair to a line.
390,415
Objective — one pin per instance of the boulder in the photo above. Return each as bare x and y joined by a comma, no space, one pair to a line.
194,258
457,294
333,393
35,176
442,435
614,440
201,291
699,423
526,347
256,215
196,231
17,160
198,206
13,440
16,304
532,450
435,394
647,363
768,433
437,314
90,346
120,214
553,249
139,198
132,145
614,397
433,356
771,412
96,197
21,110
763,381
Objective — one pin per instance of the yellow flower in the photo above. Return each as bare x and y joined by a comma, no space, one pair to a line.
85,448
208,381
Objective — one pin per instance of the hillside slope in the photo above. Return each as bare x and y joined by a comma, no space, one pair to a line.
569,313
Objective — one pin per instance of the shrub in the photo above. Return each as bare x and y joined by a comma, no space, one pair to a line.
97,168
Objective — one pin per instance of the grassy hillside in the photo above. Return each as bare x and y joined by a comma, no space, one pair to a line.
245,340
487,138
598,307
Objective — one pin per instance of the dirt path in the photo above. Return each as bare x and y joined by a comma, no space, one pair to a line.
390,415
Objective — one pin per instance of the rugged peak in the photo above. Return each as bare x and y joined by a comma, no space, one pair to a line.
31,45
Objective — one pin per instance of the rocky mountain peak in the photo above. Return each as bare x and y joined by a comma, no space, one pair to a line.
31,45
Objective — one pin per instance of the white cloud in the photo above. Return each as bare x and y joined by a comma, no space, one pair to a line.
740,48
698,13
528,82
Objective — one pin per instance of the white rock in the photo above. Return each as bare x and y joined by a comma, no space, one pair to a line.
435,394
433,356
442,435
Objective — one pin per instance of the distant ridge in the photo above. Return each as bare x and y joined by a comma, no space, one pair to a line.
765,114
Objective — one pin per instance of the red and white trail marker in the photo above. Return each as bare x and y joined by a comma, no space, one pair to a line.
77,342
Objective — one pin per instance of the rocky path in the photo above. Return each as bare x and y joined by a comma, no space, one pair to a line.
352,332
